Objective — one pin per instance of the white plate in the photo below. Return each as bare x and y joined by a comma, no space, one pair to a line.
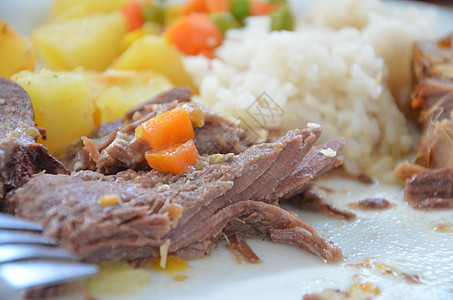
401,238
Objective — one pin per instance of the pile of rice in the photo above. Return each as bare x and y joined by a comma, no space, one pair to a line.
342,68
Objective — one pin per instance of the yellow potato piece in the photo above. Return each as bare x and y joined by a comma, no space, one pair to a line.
69,9
91,42
61,105
154,52
122,90
16,53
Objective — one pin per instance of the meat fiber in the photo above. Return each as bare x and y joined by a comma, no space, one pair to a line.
431,189
188,213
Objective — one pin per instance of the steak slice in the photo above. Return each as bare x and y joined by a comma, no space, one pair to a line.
190,211
431,189
20,155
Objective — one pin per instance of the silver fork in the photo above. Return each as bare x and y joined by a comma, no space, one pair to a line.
30,260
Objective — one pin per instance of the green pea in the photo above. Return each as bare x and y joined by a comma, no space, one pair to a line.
240,9
282,19
225,21
154,13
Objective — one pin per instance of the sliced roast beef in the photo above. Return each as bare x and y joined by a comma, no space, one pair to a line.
120,149
20,155
431,189
188,213
318,161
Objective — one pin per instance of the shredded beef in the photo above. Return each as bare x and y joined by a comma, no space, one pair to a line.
192,210
120,149
431,189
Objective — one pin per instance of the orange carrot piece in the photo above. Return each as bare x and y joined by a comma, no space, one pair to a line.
213,6
133,15
195,34
259,8
169,128
175,159
192,6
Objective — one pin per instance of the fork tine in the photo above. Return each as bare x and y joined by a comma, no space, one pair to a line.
22,237
9,253
17,276
11,222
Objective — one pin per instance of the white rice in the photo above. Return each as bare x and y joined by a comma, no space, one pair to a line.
331,71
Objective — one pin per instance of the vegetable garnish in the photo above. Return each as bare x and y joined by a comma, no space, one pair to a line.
195,34
132,13
175,159
259,8
170,136
169,128
196,27
282,19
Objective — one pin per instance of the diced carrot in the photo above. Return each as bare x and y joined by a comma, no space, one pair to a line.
133,15
195,34
175,159
213,6
169,128
259,8
192,6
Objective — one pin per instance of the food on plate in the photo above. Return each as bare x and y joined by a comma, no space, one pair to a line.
20,155
371,204
16,53
118,148
71,104
73,114
429,186
433,66
71,9
154,53
430,189
158,174
91,42
338,69
135,214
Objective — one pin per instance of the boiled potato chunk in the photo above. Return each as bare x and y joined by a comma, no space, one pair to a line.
69,9
91,42
154,52
16,53
61,105
123,90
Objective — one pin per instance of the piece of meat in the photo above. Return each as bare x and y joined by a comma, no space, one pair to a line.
239,247
436,141
120,150
371,204
310,200
431,189
433,59
191,210
315,163
20,155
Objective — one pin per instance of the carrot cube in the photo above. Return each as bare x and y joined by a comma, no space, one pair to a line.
169,128
175,159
